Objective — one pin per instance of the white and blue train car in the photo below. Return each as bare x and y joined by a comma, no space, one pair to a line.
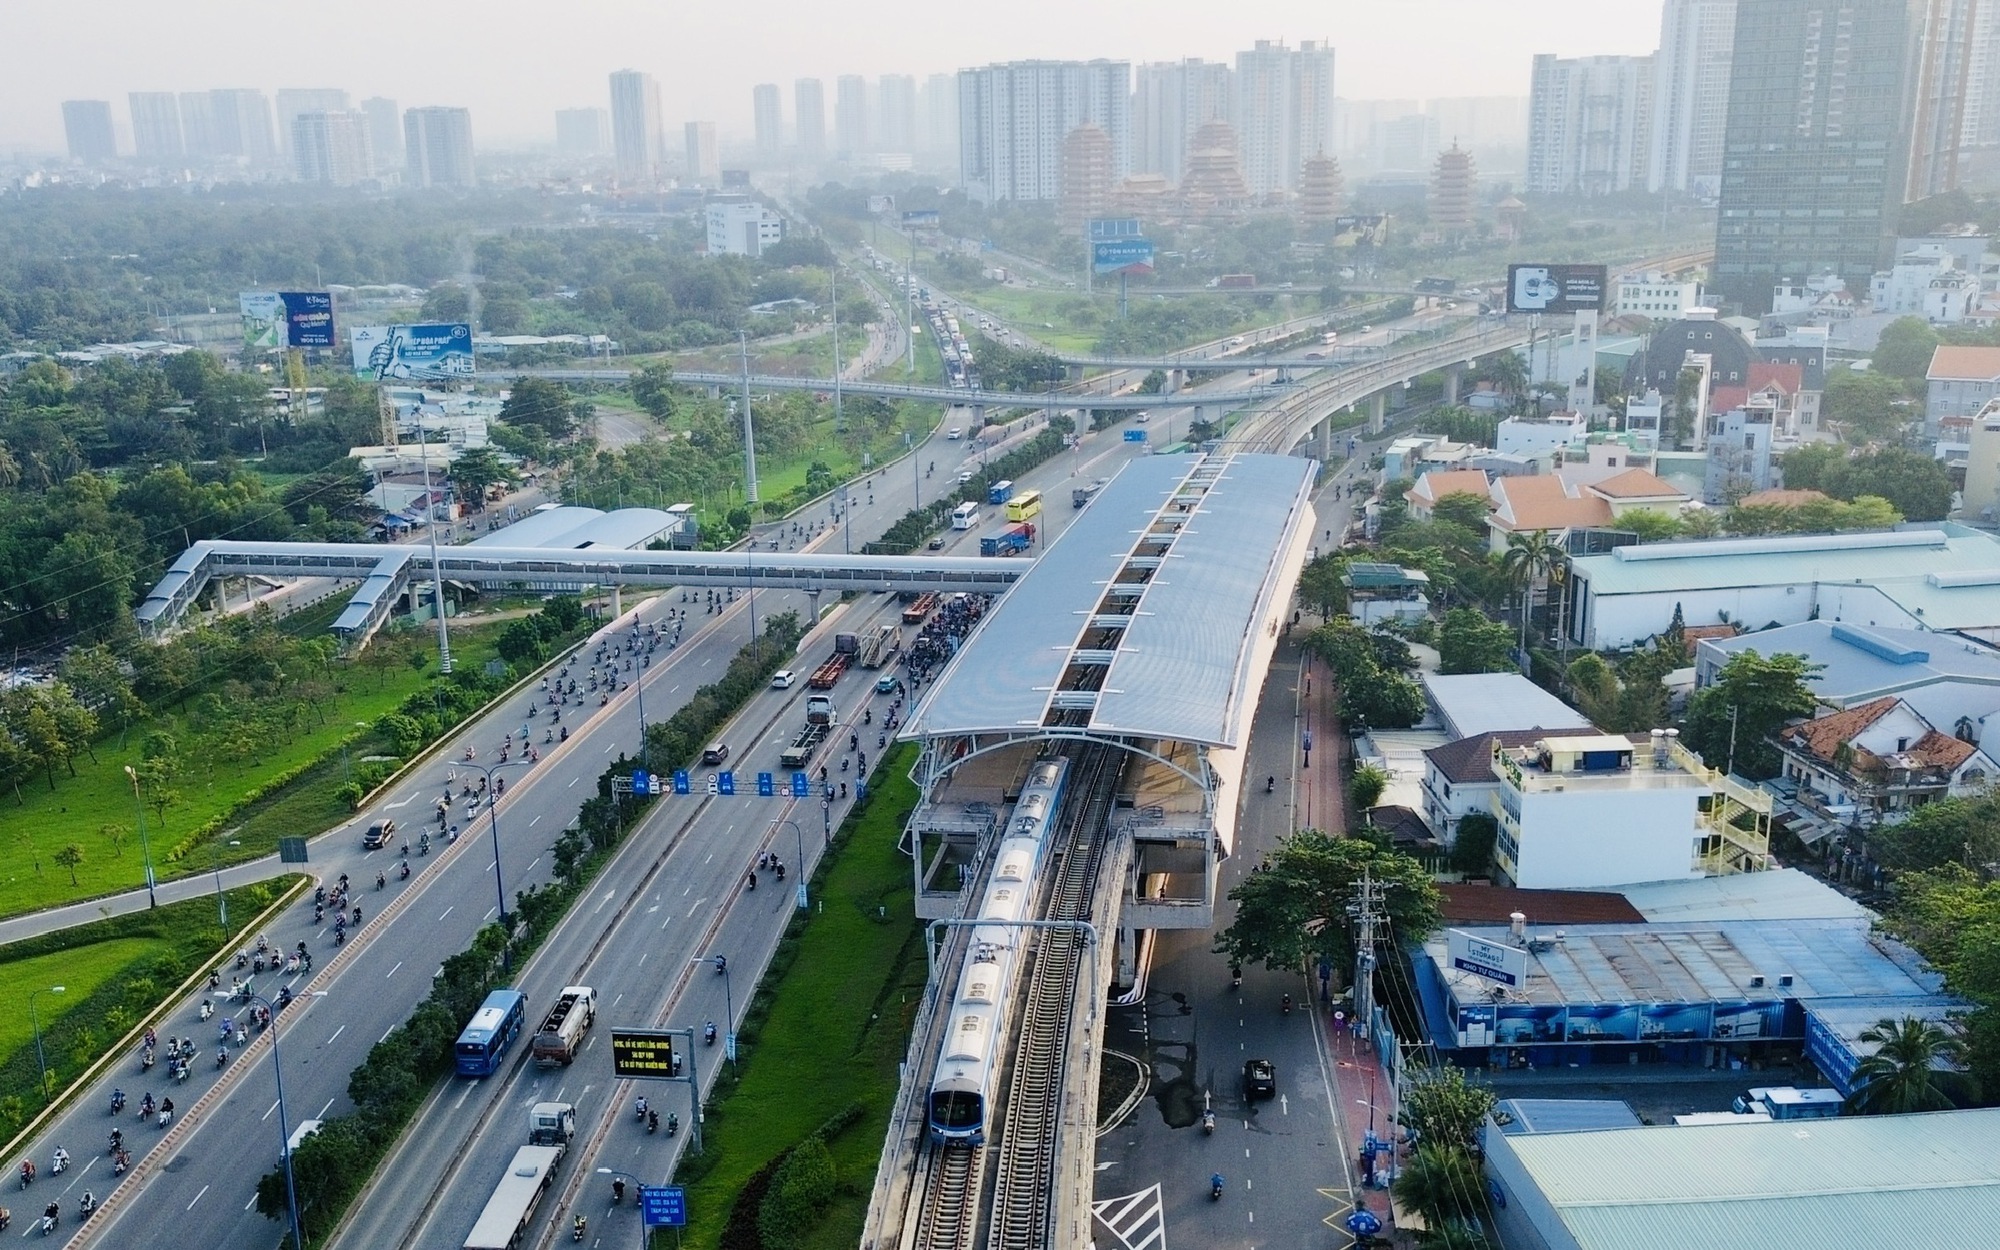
969,1063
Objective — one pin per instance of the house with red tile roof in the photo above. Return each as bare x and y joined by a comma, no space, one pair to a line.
1876,762
1439,483
1524,505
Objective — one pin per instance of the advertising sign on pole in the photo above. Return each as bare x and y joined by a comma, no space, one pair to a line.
1104,229
263,320
664,1206
1122,256
308,318
920,219
1555,288
425,352
642,1052
1495,961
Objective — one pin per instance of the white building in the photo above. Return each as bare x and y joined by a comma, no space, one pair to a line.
1537,436
1013,119
937,116
1959,383
742,227
809,109
1655,295
1691,96
1926,282
1170,101
294,101
850,116
239,121
437,143
582,132
1284,112
704,160
1588,811
386,141
332,148
636,132
156,126
768,113
1589,119
896,113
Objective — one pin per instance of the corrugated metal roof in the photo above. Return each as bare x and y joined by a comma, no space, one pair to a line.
1565,1115
539,529
1778,561
1481,703
1865,1181
622,530
1182,670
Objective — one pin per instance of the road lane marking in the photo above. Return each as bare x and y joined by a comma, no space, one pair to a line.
336,1033
381,1039
490,913
267,1112
403,802
391,972
573,781
197,1197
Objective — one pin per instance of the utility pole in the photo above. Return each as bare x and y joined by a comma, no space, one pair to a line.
749,433
437,565
1370,894
833,274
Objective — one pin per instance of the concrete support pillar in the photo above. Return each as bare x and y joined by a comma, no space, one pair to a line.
1326,440
812,598
1399,396
715,390
1454,376
1378,411
617,602
1173,382
978,419
1128,955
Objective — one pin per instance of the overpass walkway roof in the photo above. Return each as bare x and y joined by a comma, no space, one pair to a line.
1152,616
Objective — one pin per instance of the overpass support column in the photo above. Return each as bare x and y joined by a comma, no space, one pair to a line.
1128,955
1172,385
617,601
1399,396
1326,440
978,419
715,390
1378,409
1454,376
812,598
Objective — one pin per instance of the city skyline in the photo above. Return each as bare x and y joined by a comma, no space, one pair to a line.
95,51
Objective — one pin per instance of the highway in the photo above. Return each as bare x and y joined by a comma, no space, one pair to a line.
207,1166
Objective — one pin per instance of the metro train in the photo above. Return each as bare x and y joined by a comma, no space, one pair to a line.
969,1063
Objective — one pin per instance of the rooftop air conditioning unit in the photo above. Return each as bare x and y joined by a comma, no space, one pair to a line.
1756,983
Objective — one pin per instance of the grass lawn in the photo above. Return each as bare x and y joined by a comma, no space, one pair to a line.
78,971
81,808
835,1032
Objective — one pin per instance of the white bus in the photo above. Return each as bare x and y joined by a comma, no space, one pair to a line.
965,516
503,1223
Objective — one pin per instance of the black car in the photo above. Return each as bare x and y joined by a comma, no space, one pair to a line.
1260,1079
377,836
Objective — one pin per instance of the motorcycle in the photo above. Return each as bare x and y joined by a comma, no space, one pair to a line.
380,880
403,873
86,1205
424,845
673,1123
1208,1123
1215,1188
117,1141
1285,1004
59,1162
639,1110
617,1191
652,1122
207,1009
1270,784
753,881
50,1214
708,1032
117,1101
27,1174
576,1230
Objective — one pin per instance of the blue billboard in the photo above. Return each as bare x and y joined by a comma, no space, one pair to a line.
1106,228
920,219
426,352
1122,256
308,318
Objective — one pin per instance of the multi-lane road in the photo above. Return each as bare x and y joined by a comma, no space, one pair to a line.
675,893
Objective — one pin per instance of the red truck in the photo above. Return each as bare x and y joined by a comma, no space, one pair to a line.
827,674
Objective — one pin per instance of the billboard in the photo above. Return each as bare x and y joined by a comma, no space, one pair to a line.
263,320
1367,230
1103,229
1555,288
642,1053
308,318
920,219
881,203
1122,256
393,353
1494,961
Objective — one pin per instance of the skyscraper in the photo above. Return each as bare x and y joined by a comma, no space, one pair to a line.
582,132
896,104
156,126
1981,125
1284,111
293,101
850,116
1690,96
937,111
1589,119
437,143
1170,101
87,127
770,118
809,98
1944,45
240,121
331,147
385,135
197,110
1816,155
1014,117
635,125
704,161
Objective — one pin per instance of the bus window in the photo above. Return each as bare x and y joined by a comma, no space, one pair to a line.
1025,506
491,1030
965,516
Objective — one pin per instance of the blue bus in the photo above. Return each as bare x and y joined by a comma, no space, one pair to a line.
491,1031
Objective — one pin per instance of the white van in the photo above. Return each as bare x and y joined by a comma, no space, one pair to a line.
305,1129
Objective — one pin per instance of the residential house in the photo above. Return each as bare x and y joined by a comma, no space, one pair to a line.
1438,484
1459,778
1556,505
1877,762
1385,592
1959,382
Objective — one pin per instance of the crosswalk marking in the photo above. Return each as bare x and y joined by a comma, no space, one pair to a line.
1138,1221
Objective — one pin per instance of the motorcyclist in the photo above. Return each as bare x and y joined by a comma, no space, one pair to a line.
88,1203
721,963
27,1172
708,1032
117,1140
1215,1187
1270,783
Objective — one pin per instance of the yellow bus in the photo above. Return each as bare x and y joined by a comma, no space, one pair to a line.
1025,506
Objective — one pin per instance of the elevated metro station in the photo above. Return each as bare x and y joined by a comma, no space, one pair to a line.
1147,626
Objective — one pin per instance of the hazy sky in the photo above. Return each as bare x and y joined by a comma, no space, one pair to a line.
514,61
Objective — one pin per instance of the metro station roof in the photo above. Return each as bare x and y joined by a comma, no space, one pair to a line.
1188,666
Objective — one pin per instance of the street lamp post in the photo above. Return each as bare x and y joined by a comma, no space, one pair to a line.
803,900
728,1008
284,1126
221,903
35,1019
638,1188
493,824
145,848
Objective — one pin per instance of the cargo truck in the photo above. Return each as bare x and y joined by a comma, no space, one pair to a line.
920,611
800,752
827,674
562,1031
879,645
530,1175
1010,541
1081,495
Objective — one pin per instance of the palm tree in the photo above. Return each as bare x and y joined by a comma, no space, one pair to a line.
1454,1235
1440,1183
1903,1074
1528,559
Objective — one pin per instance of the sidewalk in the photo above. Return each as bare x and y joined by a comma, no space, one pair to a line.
1364,1094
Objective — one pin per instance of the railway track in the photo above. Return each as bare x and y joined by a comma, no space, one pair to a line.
1024,1180
951,1198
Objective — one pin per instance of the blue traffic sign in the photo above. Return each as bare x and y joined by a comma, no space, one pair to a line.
641,783
726,782
801,786
1135,436
767,785
682,784
664,1206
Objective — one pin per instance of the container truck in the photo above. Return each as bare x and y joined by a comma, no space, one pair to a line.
1011,541
562,1031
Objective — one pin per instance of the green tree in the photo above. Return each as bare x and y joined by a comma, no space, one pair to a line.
1913,483
1441,1183
70,856
1464,508
1904,349
1650,524
98,680
1868,407
1455,1234
1472,846
1748,703
1913,1067
653,390
1528,559
1810,466
1365,787
1443,1107
801,1190
1321,585
447,302
1962,830
472,471
1470,643
542,404
1297,910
